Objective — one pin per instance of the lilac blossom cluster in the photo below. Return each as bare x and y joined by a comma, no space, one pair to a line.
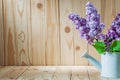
114,31
90,27
112,34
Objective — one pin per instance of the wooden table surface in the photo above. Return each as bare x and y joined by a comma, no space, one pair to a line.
50,73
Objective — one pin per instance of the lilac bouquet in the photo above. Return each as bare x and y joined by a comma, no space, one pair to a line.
90,29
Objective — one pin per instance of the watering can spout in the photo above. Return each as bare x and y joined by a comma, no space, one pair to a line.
92,60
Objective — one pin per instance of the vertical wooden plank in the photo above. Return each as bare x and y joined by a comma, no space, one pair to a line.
80,45
38,31
92,50
53,34
29,28
117,7
9,33
21,8
1,34
16,32
66,33
109,12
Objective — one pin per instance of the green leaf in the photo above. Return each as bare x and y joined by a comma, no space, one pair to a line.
115,46
100,47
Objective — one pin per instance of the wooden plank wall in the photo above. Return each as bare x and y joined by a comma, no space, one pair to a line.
38,32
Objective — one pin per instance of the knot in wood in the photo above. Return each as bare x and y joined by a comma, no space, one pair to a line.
67,29
39,5
77,47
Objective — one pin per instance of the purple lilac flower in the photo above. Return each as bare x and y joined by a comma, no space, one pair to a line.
79,22
101,37
114,31
93,21
89,27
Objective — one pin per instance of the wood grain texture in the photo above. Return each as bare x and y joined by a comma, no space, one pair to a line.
79,73
38,73
63,73
21,13
38,31
80,45
4,70
29,29
116,7
53,32
9,33
16,25
66,33
109,13
13,73
1,34
50,73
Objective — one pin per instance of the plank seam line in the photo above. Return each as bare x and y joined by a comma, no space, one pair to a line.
88,73
23,72
70,75
59,16
54,74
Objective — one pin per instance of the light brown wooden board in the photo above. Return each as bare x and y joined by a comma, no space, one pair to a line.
66,33
20,14
38,32
63,73
38,73
9,33
1,35
79,73
4,70
50,73
52,49
12,72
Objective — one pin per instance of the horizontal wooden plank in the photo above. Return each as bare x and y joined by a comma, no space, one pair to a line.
50,73
63,73
12,72
4,70
79,73
94,74
38,73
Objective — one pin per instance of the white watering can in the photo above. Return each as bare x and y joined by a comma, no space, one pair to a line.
109,66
